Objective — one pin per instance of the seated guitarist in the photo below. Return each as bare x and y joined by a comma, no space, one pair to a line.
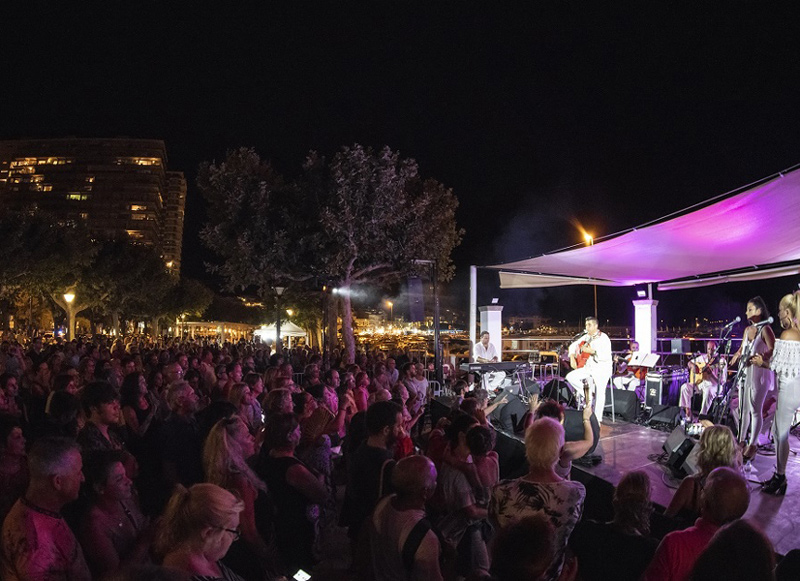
628,377
703,379
590,357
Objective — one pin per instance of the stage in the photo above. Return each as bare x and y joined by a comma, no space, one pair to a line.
625,446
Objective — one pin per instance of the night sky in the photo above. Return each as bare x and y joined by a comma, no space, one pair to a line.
540,119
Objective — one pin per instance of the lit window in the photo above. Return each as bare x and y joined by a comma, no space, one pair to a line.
84,215
135,234
77,197
137,208
138,216
47,188
90,179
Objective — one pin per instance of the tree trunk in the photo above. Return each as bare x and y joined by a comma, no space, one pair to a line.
347,325
331,330
154,326
115,322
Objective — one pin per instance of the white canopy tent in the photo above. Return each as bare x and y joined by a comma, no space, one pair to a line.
750,234
270,333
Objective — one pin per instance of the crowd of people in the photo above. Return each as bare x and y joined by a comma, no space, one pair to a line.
139,459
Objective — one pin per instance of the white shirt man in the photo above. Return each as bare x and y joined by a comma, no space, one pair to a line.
706,381
598,367
485,351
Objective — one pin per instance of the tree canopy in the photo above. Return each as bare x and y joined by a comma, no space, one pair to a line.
360,217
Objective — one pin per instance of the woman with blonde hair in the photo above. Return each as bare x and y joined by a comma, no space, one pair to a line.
198,528
785,362
717,448
228,447
241,396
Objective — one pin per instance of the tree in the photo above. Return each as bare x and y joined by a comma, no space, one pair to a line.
363,217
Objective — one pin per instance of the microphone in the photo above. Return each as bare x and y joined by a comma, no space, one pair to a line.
581,334
764,323
732,323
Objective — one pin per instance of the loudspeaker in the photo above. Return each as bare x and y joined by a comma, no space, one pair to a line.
680,449
557,389
573,427
511,415
626,404
531,386
652,393
680,346
665,414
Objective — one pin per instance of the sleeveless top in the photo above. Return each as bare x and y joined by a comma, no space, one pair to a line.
786,359
754,374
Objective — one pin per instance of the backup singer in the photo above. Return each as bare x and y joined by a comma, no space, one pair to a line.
785,362
598,366
757,380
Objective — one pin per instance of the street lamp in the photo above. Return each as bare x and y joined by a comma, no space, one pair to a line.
278,292
390,304
69,297
589,239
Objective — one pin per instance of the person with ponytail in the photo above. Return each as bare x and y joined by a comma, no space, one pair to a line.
197,529
228,447
785,362
757,380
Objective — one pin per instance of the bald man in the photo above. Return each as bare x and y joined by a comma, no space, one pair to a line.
403,546
725,498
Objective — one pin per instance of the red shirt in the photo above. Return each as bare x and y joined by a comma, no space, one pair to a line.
678,552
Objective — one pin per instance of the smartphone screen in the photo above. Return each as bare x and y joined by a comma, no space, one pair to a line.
301,576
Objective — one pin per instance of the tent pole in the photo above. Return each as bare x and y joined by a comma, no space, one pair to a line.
473,305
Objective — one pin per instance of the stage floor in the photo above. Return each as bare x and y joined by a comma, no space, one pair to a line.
625,446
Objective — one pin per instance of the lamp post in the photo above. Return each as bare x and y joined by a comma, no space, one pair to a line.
390,304
69,298
590,242
278,292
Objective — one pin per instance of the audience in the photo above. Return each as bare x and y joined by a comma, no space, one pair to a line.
542,490
402,544
112,530
199,525
36,542
725,498
626,537
737,552
279,496
295,489
717,448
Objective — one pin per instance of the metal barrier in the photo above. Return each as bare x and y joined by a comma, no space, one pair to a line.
298,378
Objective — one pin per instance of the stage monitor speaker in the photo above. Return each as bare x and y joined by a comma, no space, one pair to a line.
626,404
680,449
680,346
573,427
531,386
557,389
665,414
511,415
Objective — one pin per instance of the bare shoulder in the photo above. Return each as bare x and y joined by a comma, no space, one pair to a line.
790,335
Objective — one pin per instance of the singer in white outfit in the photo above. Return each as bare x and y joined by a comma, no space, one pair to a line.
758,339
785,363
597,369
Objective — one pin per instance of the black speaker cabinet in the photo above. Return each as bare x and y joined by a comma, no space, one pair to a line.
626,404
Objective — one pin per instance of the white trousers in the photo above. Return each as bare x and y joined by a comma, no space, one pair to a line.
758,382
597,385
788,402
706,387
627,382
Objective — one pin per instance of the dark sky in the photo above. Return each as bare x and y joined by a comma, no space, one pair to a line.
538,118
